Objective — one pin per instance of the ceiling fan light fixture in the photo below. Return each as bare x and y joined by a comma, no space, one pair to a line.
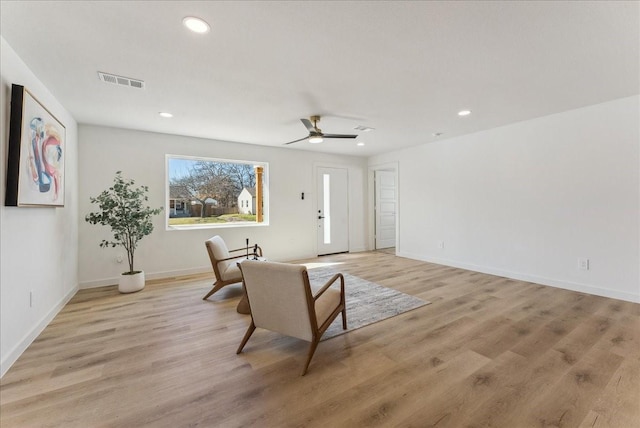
315,139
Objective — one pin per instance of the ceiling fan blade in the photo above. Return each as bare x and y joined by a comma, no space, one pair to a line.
295,141
309,125
339,136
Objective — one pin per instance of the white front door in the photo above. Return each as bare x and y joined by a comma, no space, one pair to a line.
385,209
333,210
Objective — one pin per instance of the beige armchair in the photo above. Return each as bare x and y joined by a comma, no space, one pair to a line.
224,264
282,300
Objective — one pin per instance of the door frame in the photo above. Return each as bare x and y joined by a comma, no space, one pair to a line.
389,166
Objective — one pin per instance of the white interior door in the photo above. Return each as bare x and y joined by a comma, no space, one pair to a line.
385,209
333,210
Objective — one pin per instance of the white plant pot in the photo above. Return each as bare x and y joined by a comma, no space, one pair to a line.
131,283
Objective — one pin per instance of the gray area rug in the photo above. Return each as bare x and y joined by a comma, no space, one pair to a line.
367,302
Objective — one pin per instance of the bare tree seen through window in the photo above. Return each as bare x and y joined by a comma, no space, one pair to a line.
208,191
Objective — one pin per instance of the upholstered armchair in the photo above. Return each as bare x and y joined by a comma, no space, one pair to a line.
281,299
224,264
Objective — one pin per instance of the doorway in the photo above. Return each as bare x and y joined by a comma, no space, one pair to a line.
333,210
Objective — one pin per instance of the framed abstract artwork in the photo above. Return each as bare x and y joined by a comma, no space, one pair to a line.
35,167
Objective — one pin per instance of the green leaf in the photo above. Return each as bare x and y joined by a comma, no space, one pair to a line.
121,207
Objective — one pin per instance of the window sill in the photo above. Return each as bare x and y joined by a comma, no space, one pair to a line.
172,228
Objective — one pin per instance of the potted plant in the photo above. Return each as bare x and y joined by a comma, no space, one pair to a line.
122,207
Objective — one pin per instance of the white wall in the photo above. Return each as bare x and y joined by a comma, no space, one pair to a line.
290,235
528,200
38,249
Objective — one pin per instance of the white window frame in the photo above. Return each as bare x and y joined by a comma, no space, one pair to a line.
265,196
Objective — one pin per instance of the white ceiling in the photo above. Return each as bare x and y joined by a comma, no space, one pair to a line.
403,68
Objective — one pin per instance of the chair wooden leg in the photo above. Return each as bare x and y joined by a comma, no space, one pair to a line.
246,337
312,350
344,318
216,287
243,305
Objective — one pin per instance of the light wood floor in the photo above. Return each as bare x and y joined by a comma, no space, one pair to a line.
488,351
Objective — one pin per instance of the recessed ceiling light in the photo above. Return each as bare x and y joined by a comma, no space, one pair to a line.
360,144
196,25
464,112
165,114
363,128
437,134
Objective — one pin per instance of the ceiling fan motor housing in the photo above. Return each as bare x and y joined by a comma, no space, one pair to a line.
315,120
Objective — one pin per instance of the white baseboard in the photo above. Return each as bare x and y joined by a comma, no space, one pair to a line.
566,285
23,344
156,275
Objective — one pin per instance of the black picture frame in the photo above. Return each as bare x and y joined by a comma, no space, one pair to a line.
36,155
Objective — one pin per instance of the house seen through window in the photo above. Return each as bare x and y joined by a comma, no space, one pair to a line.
205,192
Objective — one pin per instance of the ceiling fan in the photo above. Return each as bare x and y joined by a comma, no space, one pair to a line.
315,134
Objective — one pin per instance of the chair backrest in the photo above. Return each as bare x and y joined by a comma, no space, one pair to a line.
279,296
218,250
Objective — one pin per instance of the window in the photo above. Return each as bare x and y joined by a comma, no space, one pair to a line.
205,192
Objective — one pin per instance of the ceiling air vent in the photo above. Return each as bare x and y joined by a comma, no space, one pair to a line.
120,80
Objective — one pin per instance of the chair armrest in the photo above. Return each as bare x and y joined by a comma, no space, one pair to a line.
245,249
238,249
233,258
329,283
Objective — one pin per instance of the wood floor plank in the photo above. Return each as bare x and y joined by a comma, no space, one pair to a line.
580,387
487,352
616,404
462,399
381,402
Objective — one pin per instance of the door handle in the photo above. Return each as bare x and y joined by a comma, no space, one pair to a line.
320,217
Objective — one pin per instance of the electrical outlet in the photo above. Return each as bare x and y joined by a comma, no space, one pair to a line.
441,245
119,259
583,264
